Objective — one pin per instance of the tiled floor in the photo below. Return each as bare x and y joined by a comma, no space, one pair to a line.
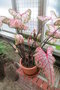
9,85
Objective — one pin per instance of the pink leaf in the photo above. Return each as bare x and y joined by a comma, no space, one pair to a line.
44,18
45,61
15,23
52,40
19,39
56,35
53,15
52,27
30,41
24,17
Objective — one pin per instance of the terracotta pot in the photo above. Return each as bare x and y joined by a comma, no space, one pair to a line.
28,71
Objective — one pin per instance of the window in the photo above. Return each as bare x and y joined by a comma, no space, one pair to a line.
55,6
4,7
21,6
34,5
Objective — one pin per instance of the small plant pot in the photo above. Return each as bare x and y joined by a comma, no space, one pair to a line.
28,71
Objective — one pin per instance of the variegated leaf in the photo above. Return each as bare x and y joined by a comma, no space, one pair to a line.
45,61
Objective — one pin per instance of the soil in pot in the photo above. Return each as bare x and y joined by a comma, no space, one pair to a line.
28,64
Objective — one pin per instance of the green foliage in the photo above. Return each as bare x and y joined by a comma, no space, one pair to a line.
57,47
4,47
8,50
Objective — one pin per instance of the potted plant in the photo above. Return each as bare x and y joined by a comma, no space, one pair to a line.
18,22
27,62
33,56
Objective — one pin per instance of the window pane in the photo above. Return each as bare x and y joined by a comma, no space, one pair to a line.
5,5
55,6
23,5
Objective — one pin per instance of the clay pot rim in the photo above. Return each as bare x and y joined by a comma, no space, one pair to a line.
26,67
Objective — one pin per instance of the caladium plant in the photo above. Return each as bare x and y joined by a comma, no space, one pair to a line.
57,22
44,18
56,35
45,61
52,29
19,21
15,23
24,17
52,17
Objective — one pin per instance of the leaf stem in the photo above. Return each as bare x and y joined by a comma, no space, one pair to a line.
46,40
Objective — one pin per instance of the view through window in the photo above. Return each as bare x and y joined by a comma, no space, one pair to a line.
23,5
5,5
55,6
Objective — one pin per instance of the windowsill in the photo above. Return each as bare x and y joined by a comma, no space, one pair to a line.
55,52
12,37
